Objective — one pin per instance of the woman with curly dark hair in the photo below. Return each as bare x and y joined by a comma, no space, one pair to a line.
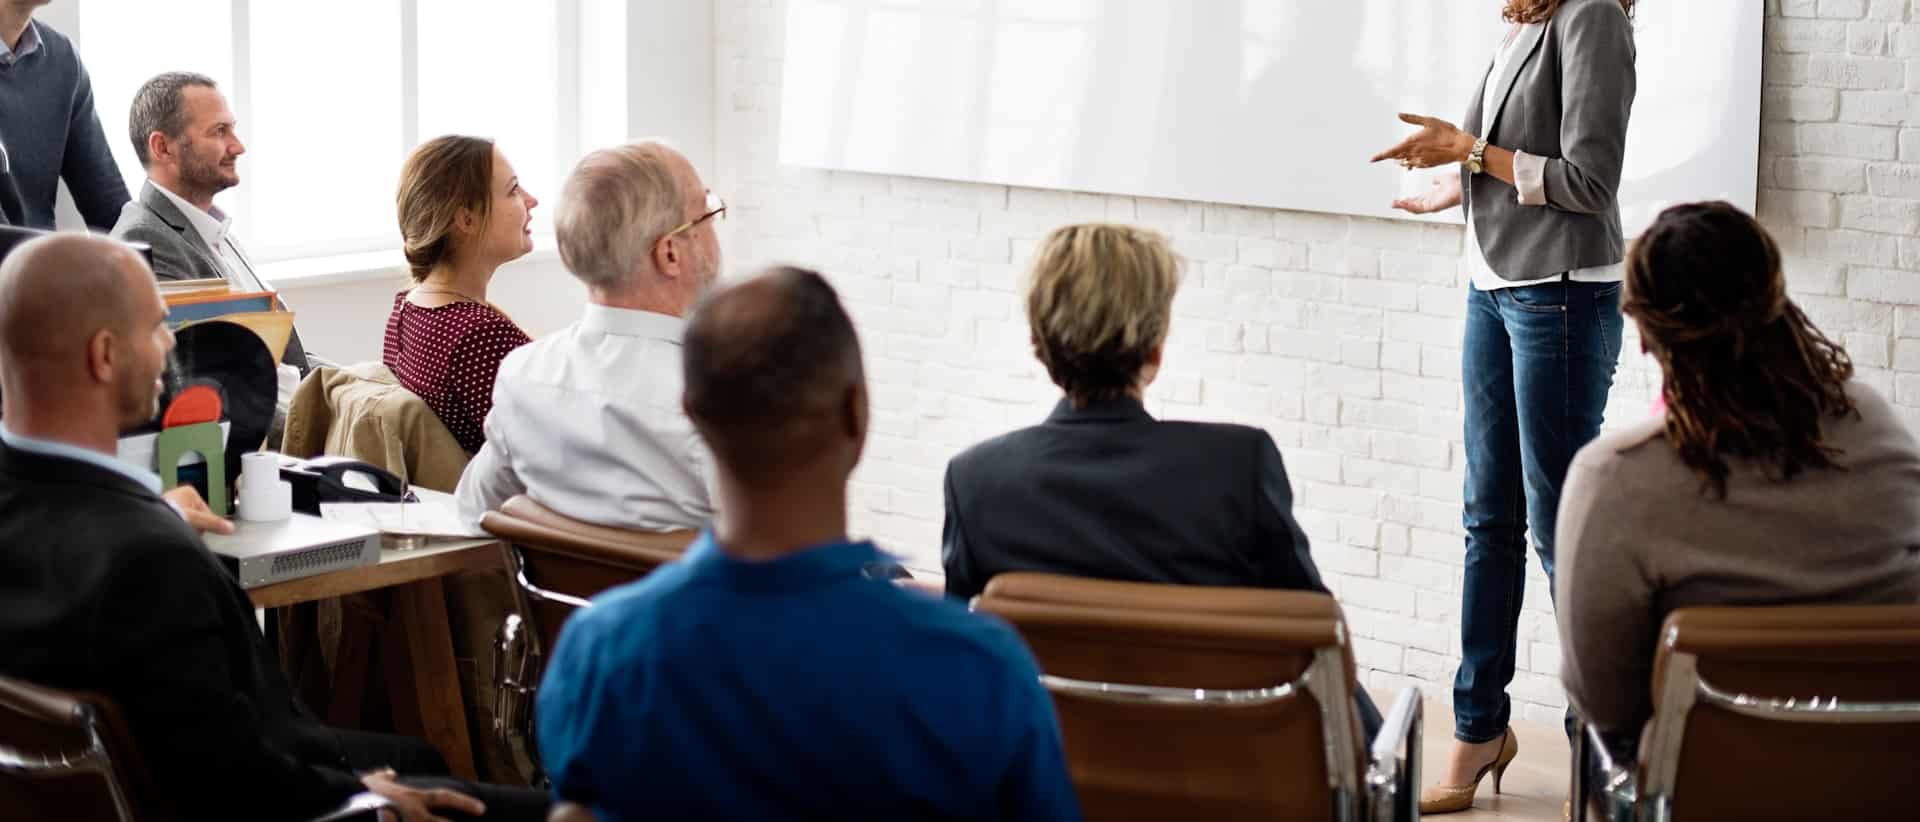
1772,478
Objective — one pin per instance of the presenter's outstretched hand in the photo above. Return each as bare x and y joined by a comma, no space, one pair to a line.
1437,143
1442,195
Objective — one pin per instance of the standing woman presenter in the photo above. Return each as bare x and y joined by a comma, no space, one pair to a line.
1540,155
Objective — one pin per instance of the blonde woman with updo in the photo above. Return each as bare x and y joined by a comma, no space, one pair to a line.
462,215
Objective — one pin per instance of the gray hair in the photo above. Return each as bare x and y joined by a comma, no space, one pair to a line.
615,206
160,106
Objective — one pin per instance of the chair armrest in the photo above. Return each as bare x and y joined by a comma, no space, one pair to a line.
1602,775
1393,761
365,805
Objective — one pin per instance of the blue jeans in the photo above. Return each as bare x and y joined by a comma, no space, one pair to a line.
1537,364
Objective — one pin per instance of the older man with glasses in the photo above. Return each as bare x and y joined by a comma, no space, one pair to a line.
588,420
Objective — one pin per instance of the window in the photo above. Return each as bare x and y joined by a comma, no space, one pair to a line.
331,97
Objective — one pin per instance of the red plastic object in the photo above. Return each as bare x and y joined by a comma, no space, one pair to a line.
195,404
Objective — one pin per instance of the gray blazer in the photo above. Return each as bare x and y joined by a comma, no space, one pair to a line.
1567,96
179,252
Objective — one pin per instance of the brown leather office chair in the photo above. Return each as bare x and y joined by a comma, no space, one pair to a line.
556,564
1770,713
1184,702
68,756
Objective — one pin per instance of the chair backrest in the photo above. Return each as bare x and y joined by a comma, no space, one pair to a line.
1192,702
1785,713
558,563
362,411
64,756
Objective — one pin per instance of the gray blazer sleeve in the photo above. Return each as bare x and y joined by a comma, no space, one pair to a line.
171,261
1597,84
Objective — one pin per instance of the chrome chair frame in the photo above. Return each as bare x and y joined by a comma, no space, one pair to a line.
96,760
1647,796
517,661
1382,796
92,759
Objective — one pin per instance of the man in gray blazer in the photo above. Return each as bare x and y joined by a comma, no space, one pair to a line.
183,133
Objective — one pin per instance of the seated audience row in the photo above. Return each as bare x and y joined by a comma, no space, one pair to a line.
775,670
772,673
109,590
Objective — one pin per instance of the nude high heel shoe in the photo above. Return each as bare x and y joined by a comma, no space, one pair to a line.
1437,799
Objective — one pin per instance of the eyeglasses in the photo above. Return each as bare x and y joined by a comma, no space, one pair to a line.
716,207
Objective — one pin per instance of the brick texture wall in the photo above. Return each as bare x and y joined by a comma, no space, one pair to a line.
1339,335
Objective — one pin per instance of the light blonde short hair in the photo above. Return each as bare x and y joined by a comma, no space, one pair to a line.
614,208
1099,300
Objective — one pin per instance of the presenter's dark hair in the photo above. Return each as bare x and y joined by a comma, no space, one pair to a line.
1540,11
1747,375
441,177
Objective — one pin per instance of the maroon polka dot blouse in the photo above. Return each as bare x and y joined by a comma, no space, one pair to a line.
449,355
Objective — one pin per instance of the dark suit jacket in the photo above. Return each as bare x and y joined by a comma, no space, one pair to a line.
103,588
180,253
1109,492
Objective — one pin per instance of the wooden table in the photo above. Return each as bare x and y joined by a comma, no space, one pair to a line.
420,604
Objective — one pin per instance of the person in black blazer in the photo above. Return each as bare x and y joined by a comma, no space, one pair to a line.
1105,490
105,586
1101,489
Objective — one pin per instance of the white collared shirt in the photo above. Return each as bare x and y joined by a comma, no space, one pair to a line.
1530,179
216,230
29,43
588,422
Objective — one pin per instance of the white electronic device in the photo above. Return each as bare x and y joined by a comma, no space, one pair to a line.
302,545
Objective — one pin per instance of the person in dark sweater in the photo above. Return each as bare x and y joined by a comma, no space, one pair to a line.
51,131
106,587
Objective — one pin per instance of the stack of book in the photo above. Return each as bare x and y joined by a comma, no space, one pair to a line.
191,301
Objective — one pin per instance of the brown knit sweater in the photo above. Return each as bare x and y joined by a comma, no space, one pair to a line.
1638,538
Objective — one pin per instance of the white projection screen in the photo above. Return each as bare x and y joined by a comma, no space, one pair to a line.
1274,103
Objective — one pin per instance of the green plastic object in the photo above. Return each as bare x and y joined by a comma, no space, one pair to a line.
205,439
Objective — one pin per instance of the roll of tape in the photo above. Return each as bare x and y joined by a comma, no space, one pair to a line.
266,502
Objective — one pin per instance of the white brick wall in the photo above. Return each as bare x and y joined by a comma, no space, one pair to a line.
1339,335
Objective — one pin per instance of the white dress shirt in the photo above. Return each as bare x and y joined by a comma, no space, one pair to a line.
216,229
28,44
1530,178
587,421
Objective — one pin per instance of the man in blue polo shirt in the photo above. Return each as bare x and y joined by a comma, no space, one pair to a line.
774,672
